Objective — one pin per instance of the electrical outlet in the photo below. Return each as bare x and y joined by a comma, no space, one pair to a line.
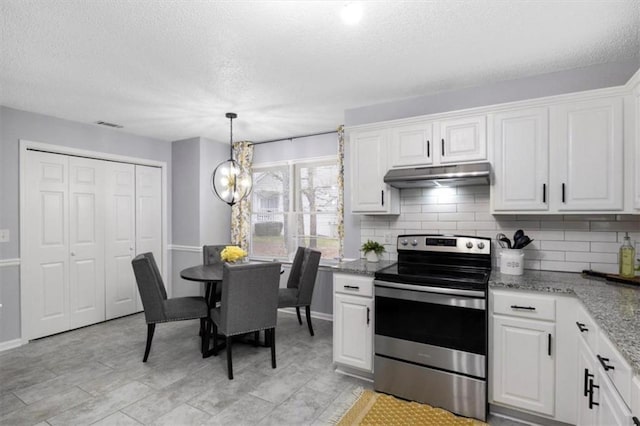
4,235
387,238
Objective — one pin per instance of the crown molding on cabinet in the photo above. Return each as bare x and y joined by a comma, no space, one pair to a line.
527,103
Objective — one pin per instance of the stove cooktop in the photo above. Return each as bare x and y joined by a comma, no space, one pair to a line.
436,276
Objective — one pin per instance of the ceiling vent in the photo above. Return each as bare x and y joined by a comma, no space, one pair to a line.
106,123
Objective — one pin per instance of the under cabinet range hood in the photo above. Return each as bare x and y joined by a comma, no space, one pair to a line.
428,177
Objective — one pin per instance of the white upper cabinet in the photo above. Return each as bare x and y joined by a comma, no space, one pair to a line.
463,139
636,192
411,145
586,155
521,160
369,193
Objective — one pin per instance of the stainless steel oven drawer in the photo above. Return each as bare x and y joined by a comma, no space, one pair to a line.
432,356
459,394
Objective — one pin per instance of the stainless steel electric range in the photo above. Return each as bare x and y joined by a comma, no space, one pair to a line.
431,322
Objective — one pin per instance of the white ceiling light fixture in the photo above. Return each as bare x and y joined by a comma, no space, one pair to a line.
351,13
230,181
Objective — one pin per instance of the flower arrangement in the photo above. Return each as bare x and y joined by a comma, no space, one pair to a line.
232,254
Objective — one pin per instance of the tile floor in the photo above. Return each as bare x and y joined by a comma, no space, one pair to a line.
95,375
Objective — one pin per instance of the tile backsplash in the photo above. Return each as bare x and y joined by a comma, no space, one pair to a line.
562,242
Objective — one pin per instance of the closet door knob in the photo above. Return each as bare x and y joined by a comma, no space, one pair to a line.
73,253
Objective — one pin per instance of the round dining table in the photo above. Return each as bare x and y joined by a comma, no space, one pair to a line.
210,275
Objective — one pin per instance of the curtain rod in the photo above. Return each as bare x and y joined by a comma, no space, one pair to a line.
295,137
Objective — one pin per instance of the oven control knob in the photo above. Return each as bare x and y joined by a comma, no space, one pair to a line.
480,246
414,243
469,245
404,242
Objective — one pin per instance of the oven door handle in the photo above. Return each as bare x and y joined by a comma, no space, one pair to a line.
427,297
427,289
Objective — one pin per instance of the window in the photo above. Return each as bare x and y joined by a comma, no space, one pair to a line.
295,204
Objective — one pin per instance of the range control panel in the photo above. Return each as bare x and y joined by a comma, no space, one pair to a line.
445,243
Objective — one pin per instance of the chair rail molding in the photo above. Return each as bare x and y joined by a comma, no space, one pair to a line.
9,262
190,249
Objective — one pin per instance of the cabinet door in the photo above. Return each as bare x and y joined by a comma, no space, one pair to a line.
521,160
411,145
586,155
587,370
86,241
636,197
523,364
463,139
120,284
612,410
45,258
353,331
369,194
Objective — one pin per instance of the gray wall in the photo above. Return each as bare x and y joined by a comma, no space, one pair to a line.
185,204
16,125
199,217
575,80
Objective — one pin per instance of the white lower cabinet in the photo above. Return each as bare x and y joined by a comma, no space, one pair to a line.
524,363
353,322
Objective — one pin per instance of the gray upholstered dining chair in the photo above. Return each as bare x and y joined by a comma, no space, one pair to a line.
249,304
157,308
302,279
211,256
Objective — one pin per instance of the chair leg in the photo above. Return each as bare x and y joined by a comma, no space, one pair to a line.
272,337
229,363
204,327
308,312
150,329
215,338
299,317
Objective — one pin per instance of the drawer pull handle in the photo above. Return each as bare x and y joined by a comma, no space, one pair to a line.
604,361
591,386
587,376
581,327
368,318
351,287
635,421
549,344
526,308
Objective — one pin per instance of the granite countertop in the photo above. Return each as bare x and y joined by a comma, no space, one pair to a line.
361,266
615,307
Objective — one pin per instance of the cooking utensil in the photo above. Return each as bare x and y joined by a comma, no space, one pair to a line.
503,240
517,235
523,242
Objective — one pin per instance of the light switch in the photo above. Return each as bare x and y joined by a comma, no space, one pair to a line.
4,235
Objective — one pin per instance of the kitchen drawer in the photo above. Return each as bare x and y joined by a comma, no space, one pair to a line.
353,284
524,305
587,328
617,368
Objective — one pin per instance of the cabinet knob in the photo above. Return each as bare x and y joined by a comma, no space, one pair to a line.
73,253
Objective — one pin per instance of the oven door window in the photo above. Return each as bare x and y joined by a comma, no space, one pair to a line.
446,326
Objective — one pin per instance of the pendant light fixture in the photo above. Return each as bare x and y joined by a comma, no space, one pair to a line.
230,181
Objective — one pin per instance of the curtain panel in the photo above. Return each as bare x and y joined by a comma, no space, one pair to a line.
241,212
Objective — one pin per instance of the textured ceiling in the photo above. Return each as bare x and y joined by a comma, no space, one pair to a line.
171,69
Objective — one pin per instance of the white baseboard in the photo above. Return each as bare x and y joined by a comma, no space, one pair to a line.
10,344
318,315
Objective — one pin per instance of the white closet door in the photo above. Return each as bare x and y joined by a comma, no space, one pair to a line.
86,241
149,213
120,284
45,267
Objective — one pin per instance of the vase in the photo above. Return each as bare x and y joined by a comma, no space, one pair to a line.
371,256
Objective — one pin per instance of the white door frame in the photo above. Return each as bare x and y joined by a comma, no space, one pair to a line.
26,145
